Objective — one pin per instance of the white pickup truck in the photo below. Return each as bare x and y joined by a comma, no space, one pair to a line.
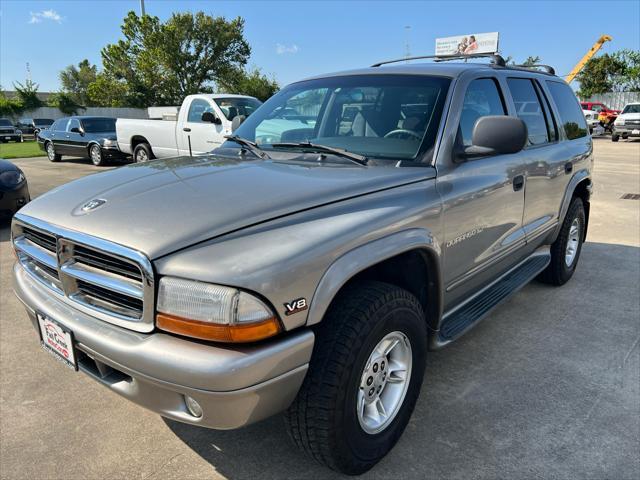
203,121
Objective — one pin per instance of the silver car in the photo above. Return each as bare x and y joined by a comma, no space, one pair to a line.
310,271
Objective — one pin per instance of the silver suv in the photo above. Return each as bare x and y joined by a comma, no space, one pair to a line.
353,222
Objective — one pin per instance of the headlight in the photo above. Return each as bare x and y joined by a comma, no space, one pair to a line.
11,178
619,121
110,143
213,312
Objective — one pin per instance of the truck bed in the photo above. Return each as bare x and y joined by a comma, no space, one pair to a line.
160,134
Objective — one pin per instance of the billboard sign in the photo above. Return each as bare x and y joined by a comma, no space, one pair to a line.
467,44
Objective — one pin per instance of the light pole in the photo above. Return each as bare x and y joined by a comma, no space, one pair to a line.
142,8
407,46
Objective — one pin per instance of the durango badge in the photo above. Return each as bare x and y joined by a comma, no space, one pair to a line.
296,306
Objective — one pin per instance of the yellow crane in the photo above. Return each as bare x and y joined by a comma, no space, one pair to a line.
583,61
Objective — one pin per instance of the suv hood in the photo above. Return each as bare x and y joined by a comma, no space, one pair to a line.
165,205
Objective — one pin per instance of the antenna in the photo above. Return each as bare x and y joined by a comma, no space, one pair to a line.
407,44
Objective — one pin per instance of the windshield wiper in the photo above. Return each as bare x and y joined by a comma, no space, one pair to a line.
355,157
249,145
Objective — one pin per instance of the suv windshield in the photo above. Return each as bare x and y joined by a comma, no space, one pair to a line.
384,116
42,121
5,123
232,107
94,125
633,108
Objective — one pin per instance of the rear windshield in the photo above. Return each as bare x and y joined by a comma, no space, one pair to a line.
382,116
94,125
232,107
635,108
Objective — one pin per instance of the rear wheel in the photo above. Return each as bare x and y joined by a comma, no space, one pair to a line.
565,251
364,378
95,153
51,152
142,153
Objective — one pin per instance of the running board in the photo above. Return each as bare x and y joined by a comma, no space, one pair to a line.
460,320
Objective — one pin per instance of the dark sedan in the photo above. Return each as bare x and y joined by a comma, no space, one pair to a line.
14,191
32,126
80,136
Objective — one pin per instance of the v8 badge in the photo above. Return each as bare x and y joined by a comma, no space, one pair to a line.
295,306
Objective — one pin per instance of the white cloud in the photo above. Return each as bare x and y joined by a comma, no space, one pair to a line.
38,17
283,49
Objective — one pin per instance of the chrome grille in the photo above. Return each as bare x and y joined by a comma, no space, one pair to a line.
107,280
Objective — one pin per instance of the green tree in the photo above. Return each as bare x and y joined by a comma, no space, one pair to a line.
531,61
9,107
76,80
106,91
630,78
251,82
160,63
66,103
27,93
600,75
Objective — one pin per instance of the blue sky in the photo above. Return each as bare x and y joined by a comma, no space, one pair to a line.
296,39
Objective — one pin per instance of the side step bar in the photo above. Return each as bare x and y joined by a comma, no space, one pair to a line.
467,315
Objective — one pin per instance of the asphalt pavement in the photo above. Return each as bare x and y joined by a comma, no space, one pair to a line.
548,386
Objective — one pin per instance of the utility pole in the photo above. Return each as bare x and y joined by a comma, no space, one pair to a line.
28,72
142,13
407,45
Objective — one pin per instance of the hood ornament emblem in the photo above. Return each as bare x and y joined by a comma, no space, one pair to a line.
93,204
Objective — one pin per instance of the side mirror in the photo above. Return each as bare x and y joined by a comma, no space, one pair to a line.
76,130
210,117
237,121
496,135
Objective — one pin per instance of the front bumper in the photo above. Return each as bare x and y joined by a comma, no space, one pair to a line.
234,385
13,200
627,130
11,137
113,153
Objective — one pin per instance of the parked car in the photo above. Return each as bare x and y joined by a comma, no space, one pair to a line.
40,124
82,136
14,190
310,275
203,121
606,115
628,123
8,132
32,126
591,116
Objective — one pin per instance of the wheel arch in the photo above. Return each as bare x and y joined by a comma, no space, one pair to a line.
91,144
407,259
580,186
137,140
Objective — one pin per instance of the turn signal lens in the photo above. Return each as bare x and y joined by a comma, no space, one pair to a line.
213,312
242,333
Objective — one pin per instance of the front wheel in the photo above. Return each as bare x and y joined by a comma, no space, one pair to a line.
364,378
565,251
51,152
95,153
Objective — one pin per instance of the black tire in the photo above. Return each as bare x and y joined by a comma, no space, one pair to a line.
142,153
96,156
615,138
558,272
323,420
51,152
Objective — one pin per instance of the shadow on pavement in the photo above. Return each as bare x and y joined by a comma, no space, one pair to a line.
546,386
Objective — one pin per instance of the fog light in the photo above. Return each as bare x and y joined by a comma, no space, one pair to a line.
194,407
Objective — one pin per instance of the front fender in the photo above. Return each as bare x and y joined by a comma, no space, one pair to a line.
361,258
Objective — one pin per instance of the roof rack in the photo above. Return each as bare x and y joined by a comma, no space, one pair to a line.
495,58
547,68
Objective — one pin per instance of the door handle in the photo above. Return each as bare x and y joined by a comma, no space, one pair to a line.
518,182
186,129
568,167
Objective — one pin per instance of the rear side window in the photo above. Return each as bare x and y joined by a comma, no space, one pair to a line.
481,99
531,109
60,124
571,115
